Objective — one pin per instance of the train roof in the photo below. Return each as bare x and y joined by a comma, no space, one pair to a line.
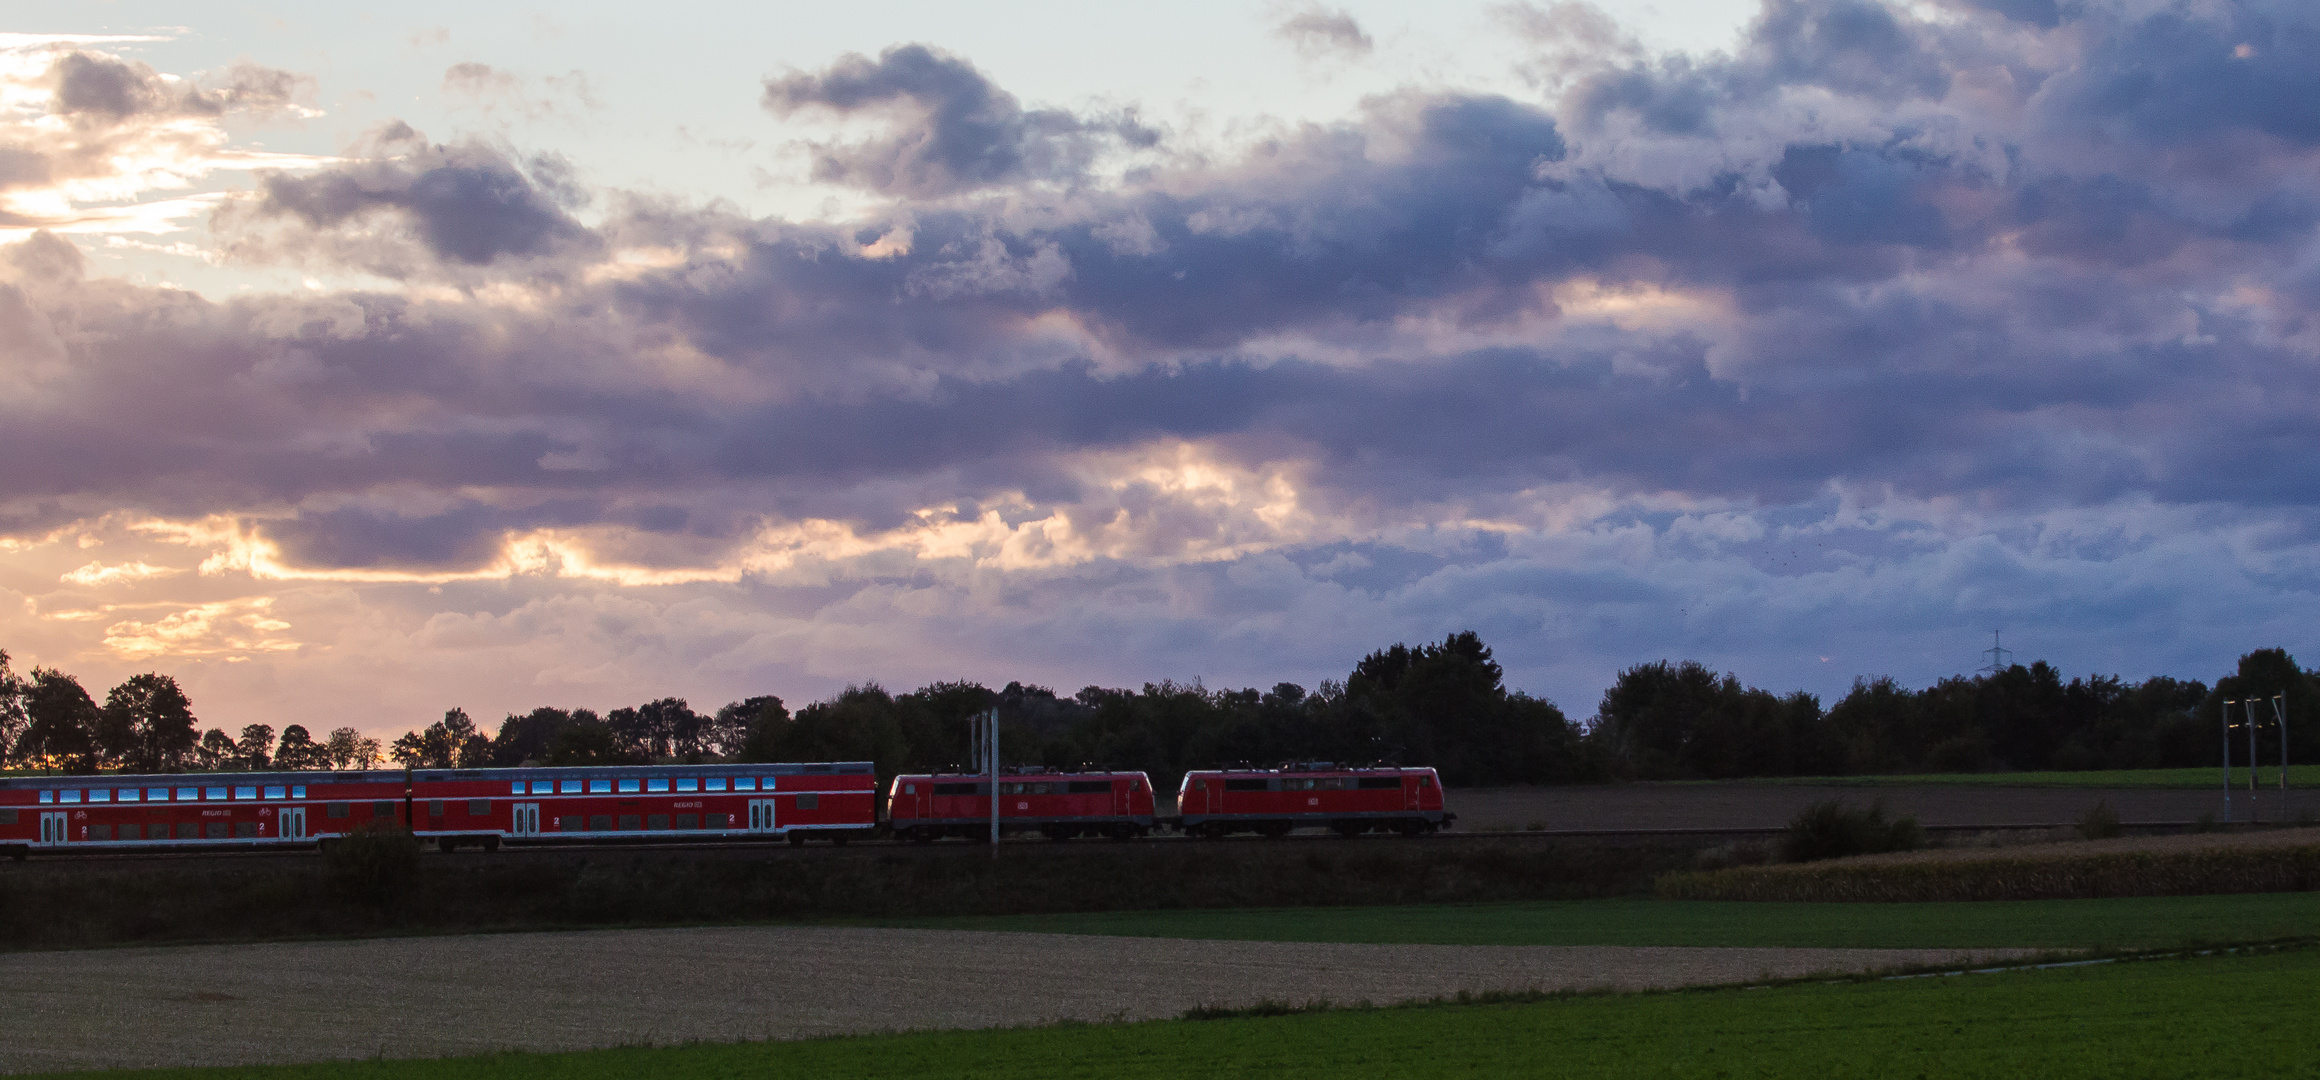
276,776
396,776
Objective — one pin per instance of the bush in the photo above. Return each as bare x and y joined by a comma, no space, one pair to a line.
1832,830
374,864
2100,822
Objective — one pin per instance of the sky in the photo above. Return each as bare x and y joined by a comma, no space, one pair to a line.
359,365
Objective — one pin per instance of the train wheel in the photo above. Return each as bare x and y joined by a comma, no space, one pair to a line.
1349,829
1412,827
840,839
922,836
446,845
797,839
491,843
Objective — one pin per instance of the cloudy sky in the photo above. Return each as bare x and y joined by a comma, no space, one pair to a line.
353,367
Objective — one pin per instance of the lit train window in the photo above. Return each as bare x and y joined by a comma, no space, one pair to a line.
658,783
213,793
130,794
73,795
516,787
714,783
277,793
100,795
744,783
246,792
910,789
297,791
48,796
547,787
628,787
568,787
158,794
688,784
186,794
600,787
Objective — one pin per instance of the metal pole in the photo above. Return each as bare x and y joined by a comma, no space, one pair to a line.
2227,761
2280,713
994,778
2255,811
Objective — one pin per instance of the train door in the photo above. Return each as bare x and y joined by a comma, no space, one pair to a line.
52,828
525,820
1410,790
290,822
761,815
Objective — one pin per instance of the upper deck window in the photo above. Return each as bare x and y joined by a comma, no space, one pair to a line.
600,787
568,787
515,787
628,787
546,787
48,796
100,795
250,792
657,783
186,794
70,795
688,784
159,794
213,793
130,794
744,783
277,792
297,791
714,783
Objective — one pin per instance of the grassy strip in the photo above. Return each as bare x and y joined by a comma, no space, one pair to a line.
2163,866
80,904
2130,923
2199,1017
2268,778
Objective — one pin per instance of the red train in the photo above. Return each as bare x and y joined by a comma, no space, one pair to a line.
1348,800
453,807
1058,805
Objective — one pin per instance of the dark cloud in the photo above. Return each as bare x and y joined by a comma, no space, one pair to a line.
467,203
953,130
92,86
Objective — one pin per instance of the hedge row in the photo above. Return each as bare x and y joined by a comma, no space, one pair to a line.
2165,866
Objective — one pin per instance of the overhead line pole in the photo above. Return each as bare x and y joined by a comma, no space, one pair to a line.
2227,761
2255,811
991,726
2280,713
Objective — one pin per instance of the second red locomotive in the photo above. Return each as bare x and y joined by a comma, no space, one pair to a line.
1057,805
1348,800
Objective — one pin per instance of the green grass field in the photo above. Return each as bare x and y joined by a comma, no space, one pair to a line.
2138,923
2267,778
2223,1016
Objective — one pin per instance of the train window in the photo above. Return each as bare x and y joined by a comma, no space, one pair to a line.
1135,785
1244,785
628,787
297,791
336,809
478,807
1088,787
631,822
100,832
434,808
216,830
382,808
688,784
48,796
568,787
1200,785
910,789
714,783
688,821
100,794
547,787
7,815
130,794
713,821
158,794
245,829
515,787
958,789
277,793
809,801
249,792
572,823
1380,783
186,794
69,795
1425,781
744,783
657,822
1011,789
658,783
600,787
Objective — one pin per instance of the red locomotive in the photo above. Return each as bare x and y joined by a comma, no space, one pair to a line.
452,807
1349,800
1057,805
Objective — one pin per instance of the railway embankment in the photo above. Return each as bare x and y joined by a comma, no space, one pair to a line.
84,903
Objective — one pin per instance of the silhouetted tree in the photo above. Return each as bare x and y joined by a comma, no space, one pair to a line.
61,727
147,725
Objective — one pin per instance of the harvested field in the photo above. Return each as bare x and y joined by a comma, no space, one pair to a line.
2286,860
222,1005
1770,806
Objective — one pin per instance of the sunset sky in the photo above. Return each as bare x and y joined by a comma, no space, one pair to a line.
358,366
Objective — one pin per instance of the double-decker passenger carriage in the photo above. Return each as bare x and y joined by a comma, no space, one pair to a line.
1349,800
202,810
1057,805
452,807
830,800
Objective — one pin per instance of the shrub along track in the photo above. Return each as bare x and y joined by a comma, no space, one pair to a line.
426,997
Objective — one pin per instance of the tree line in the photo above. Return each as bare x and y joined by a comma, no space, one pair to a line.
1438,703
